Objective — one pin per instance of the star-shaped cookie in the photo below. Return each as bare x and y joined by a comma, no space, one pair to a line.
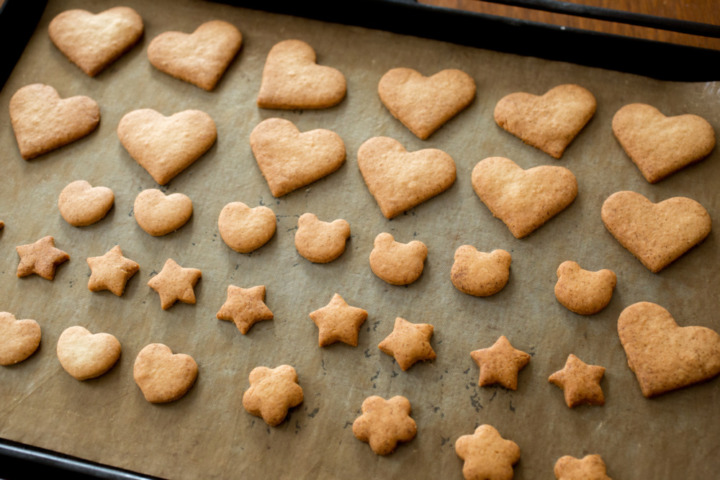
175,283
487,455
338,322
409,343
272,392
590,467
384,423
245,307
111,271
500,363
40,258
580,382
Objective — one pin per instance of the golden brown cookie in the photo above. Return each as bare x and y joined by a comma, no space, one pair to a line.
384,423
580,382
338,322
272,392
479,273
397,263
18,338
159,214
500,364
85,355
111,271
40,258
582,291
590,467
245,307
318,241
175,283
246,229
81,204
487,455
409,343
163,376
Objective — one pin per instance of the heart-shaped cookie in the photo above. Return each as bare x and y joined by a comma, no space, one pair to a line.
165,146
289,159
399,180
18,338
660,145
81,204
42,121
85,355
550,121
292,80
92,42
663,355
159,214
656,233
523,199
201,57
424,104
163,376
246,229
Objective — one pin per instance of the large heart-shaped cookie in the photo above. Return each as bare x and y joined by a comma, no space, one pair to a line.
165,146
661,145
399,180
246,229
656,233
42,121
159,214
85,355
523,199
163,376
18,338
92,42
663,355
81,204
424,104
289,159
201,57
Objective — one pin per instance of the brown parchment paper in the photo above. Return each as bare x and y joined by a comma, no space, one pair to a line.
207,434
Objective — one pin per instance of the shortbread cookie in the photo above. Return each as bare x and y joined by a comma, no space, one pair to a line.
165,146
246,229
292,80
384,423
92,42
582,291
201,57
659,145
81,204
338,322
175,283
111,271
163,376
550,121
487,455
245,307
18,338
663,355
40,258
656,233
159,214
42,121
409,343
590,467
272,392
318,241
523,199
500,364
580,382
85,355
290,159
424,104
478,273
397,263
400,180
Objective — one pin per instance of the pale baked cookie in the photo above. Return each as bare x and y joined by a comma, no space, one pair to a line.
487,455
400,180
201,57
165,146
338,322
656,233
500,364
409,343
590,467
479,273
81,204
18,338
245,307
292,80
94,41
42,121
318,241
85,355
523,199
384,423
580,382
659,145
41,258
550,121
111,271
424,104
397,263
272,392
582,291
246,229
175,283
663,355
290,159
163,376
159,214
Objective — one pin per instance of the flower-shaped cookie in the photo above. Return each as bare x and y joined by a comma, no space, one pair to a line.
384,423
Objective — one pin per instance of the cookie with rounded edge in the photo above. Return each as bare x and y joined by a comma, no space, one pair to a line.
579,382
590,467
159,214
85,355
318,241
384,423
164,376
18,338
487,455
583,291
246,229
272,392
409,343
395,262
81,204
479,273
111,271
40,258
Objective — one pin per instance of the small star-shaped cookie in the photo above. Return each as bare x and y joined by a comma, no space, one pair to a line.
487,455
591,467
175,283
580,382
111,271
41,258
272,392
245,307
409,343
338,322
500,363
384,423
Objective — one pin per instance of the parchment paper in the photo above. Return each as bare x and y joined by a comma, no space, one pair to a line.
207,434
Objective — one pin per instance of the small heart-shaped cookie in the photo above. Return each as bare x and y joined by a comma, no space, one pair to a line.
18,338
246,229
656,233
199,58
660,145
85,355
523,199
289,159
81,204
165,146
582,291
92,42
163,376
478,273
550,121
42,121
663,355
400,180
318,241
159,214
397,263
424,104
